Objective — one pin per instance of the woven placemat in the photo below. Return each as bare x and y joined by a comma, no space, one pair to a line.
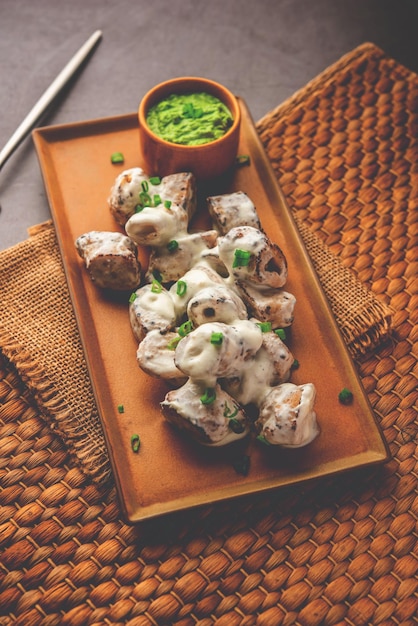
341,551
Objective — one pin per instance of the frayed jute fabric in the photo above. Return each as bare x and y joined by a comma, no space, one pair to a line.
39,335
337,551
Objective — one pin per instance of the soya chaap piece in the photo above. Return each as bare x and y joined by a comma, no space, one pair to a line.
157,226
110,259
287,417
209,415
150,308
155,356
251,257
268,305
197,278
216,350
270,366
172,260
134,189
216,303
232,209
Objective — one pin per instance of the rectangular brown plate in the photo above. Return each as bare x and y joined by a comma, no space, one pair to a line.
170,473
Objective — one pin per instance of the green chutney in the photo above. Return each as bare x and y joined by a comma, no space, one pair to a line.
191,119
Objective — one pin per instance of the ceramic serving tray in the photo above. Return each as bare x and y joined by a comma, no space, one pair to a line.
170,472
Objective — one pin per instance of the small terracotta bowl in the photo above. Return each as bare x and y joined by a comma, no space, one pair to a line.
206,161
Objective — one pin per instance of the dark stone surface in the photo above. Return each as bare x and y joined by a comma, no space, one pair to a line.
263,50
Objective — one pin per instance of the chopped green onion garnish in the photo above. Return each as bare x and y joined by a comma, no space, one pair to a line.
217,338
263,440
145,199
157,199
236,426
121,408
132,297
345,396
241,258
172,245
242,466
295,364
139,208
155,180
135,443
265,327
117,157
172,344
242,159
209,396
228,412
167,204
144,185
185,328
157,275
181,287
156,286
280,332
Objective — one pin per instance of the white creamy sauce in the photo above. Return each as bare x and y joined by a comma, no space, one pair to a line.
157,226
202,360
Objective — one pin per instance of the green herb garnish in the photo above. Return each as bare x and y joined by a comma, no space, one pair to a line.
167,204
135,442
217,338
132,297
155,180
172,344
209,396
228,412
345,396
117,157
145,199
263,440
121,408
172,245
242,160
241,258
156,286
185,328
181,288
265,327
280,332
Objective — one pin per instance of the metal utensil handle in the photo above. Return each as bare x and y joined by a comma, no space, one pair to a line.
48,96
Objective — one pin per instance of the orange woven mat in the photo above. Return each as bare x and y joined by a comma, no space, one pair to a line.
338,551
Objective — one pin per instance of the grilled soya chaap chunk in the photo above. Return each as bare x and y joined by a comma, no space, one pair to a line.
232,209
211,417
201,406
155,356
134,189
287,417
110,259
151,307
270,366
216,303
259,270
251,257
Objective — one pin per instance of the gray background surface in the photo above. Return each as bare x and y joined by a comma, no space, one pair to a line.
263,50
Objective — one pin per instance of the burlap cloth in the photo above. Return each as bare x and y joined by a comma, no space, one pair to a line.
340,551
